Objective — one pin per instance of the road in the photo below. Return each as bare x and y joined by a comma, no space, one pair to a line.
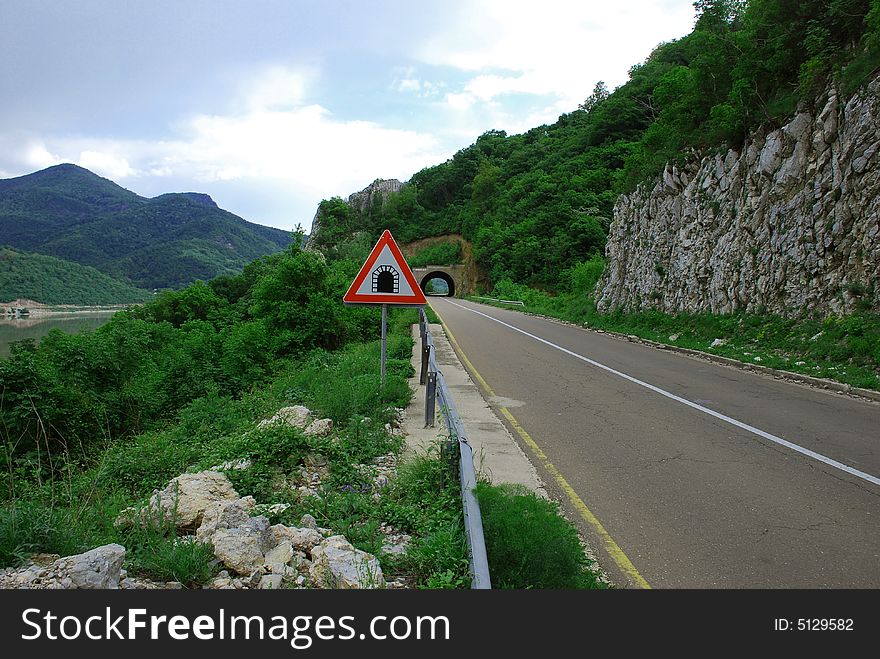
685,474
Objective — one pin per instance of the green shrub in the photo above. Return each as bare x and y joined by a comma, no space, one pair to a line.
443,254
155,551
28,527
440,557
530,545
424,500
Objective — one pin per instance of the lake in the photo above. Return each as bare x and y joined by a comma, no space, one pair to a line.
38,327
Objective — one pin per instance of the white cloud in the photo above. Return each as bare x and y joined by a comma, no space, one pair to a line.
277,88
304,145
408,85
556,49
106,164
407,82
37,156
460,102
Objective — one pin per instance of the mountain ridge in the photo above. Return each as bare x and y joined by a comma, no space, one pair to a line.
168,241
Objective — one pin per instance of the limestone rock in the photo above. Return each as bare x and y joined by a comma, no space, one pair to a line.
377,192
315,460
319,428
282,553
186,498
303,539
270,582
308,522
98,568
243,547
224,515
787,224
232,465
296,416
337,564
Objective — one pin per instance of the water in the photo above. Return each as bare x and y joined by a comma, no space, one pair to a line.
36,328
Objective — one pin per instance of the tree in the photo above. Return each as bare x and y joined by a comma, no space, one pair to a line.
600,93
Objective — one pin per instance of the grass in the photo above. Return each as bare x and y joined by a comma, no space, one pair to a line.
157,552
529,543
841,348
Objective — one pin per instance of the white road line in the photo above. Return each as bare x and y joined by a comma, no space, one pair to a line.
684,401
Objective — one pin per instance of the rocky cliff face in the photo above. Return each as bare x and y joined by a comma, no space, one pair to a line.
789,223
379,189
362,201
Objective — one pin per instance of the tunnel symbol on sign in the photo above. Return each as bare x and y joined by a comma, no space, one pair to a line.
386,280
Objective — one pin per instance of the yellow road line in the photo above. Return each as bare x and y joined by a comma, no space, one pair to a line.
614,551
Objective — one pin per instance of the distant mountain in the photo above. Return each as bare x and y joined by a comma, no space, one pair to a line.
49,280
165,242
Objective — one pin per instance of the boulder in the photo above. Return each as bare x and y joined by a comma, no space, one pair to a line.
319,428
184,500
99,568
270,582
281,553
296,416
243,547
337,564
304,539
224,515
308,522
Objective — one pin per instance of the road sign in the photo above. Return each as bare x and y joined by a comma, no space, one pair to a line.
385,278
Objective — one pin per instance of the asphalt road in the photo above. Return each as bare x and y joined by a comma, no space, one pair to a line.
691,499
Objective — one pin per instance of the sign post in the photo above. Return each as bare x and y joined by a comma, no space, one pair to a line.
385,278
384,343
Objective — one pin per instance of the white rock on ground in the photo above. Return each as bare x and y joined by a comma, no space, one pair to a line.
296,416
99,568
243,547
224,515
280,554
308,522
270,582
319,428
233,465
184,499
337,564
303,539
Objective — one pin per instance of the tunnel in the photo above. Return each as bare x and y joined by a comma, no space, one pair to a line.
437,274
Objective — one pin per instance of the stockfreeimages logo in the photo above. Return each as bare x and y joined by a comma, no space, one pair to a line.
299,631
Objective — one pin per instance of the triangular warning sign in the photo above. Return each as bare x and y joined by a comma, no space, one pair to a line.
385,278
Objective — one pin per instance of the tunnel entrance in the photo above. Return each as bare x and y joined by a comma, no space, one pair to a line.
439,284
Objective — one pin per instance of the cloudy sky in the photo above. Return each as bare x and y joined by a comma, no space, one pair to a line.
272,105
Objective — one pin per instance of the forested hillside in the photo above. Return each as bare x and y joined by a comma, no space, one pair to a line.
537,204
55,281
166,242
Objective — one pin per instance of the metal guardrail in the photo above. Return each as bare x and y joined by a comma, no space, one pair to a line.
436,388
495,299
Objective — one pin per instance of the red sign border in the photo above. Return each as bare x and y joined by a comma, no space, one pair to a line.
352,297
